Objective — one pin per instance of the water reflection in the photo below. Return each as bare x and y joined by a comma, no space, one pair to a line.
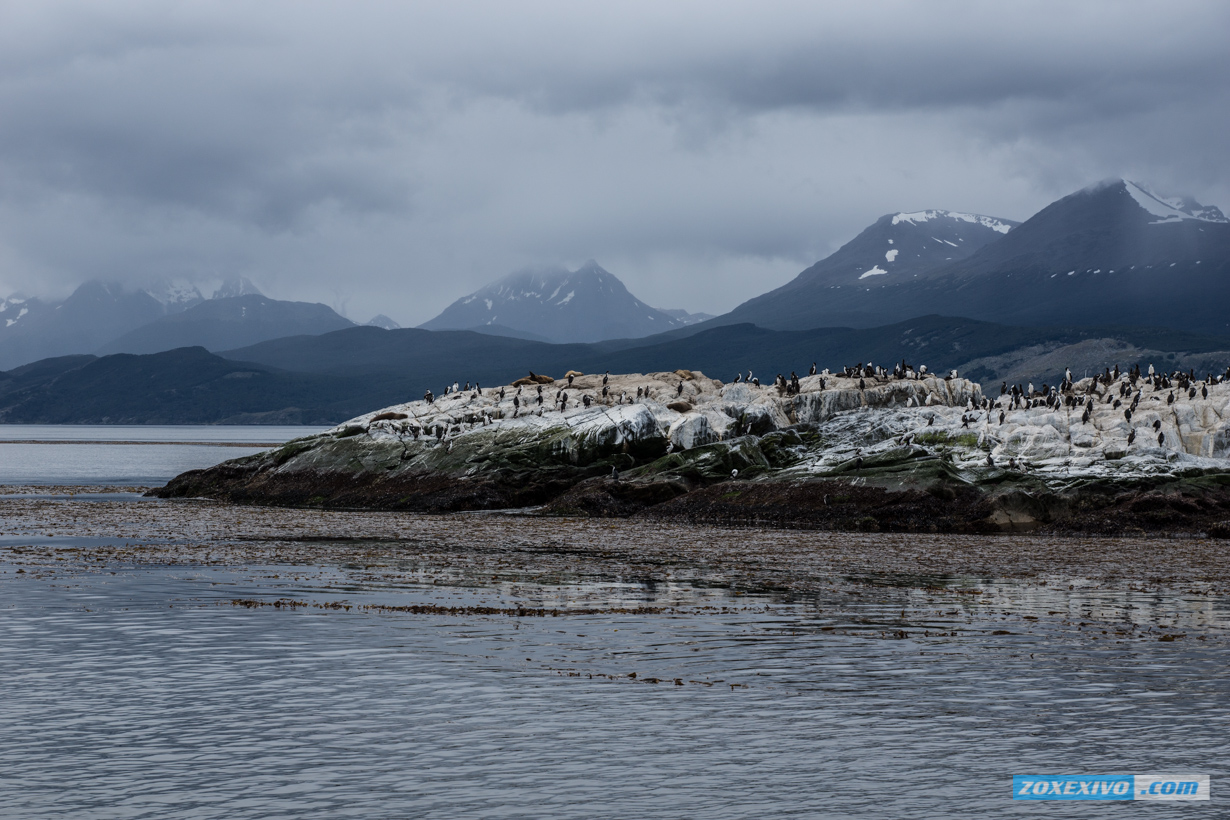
147,693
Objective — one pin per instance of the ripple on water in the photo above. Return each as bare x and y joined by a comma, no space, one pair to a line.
164,699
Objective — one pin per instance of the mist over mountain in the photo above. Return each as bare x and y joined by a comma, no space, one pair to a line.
94,314
106,317
586,305
233,321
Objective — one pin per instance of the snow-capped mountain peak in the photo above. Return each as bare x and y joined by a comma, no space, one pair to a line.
382,321
175,294
585,305
239,286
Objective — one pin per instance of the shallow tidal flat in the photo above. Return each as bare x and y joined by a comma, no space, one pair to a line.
68,529
201,659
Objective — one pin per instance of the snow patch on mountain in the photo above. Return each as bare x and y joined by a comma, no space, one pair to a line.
876,271
1171,209
997,225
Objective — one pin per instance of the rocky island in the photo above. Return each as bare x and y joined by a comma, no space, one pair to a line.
864,449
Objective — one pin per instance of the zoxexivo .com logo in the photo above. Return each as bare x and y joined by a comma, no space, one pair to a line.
1111,787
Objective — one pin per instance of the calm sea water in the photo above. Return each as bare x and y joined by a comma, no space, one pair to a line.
135,455
142,692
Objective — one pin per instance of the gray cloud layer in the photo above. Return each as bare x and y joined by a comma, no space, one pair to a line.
398,155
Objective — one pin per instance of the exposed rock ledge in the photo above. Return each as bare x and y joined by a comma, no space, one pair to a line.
895,454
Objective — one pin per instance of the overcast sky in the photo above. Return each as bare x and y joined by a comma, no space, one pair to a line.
391,157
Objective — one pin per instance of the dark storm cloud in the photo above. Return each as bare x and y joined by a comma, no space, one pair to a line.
399,155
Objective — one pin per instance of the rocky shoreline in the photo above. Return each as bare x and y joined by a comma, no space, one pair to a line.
863,451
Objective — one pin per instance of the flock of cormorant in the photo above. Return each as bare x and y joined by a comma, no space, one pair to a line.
1130,391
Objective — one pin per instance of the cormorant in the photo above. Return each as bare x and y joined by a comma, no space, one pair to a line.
1157,425
1132,436
738,377
606,376
1001,416
615,473
813,369
1161,437
586,400
734,474
570,378
755,381
990,461
679,392
1170,398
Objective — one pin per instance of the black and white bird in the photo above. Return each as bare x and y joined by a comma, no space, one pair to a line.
606,376
1161,438
1132,436
813,369
734,474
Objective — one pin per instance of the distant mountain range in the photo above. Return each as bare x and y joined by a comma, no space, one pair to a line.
328,378
1113,273
585,305
104,318
233,321
1114,252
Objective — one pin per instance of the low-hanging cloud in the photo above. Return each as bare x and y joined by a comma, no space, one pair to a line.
399,155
